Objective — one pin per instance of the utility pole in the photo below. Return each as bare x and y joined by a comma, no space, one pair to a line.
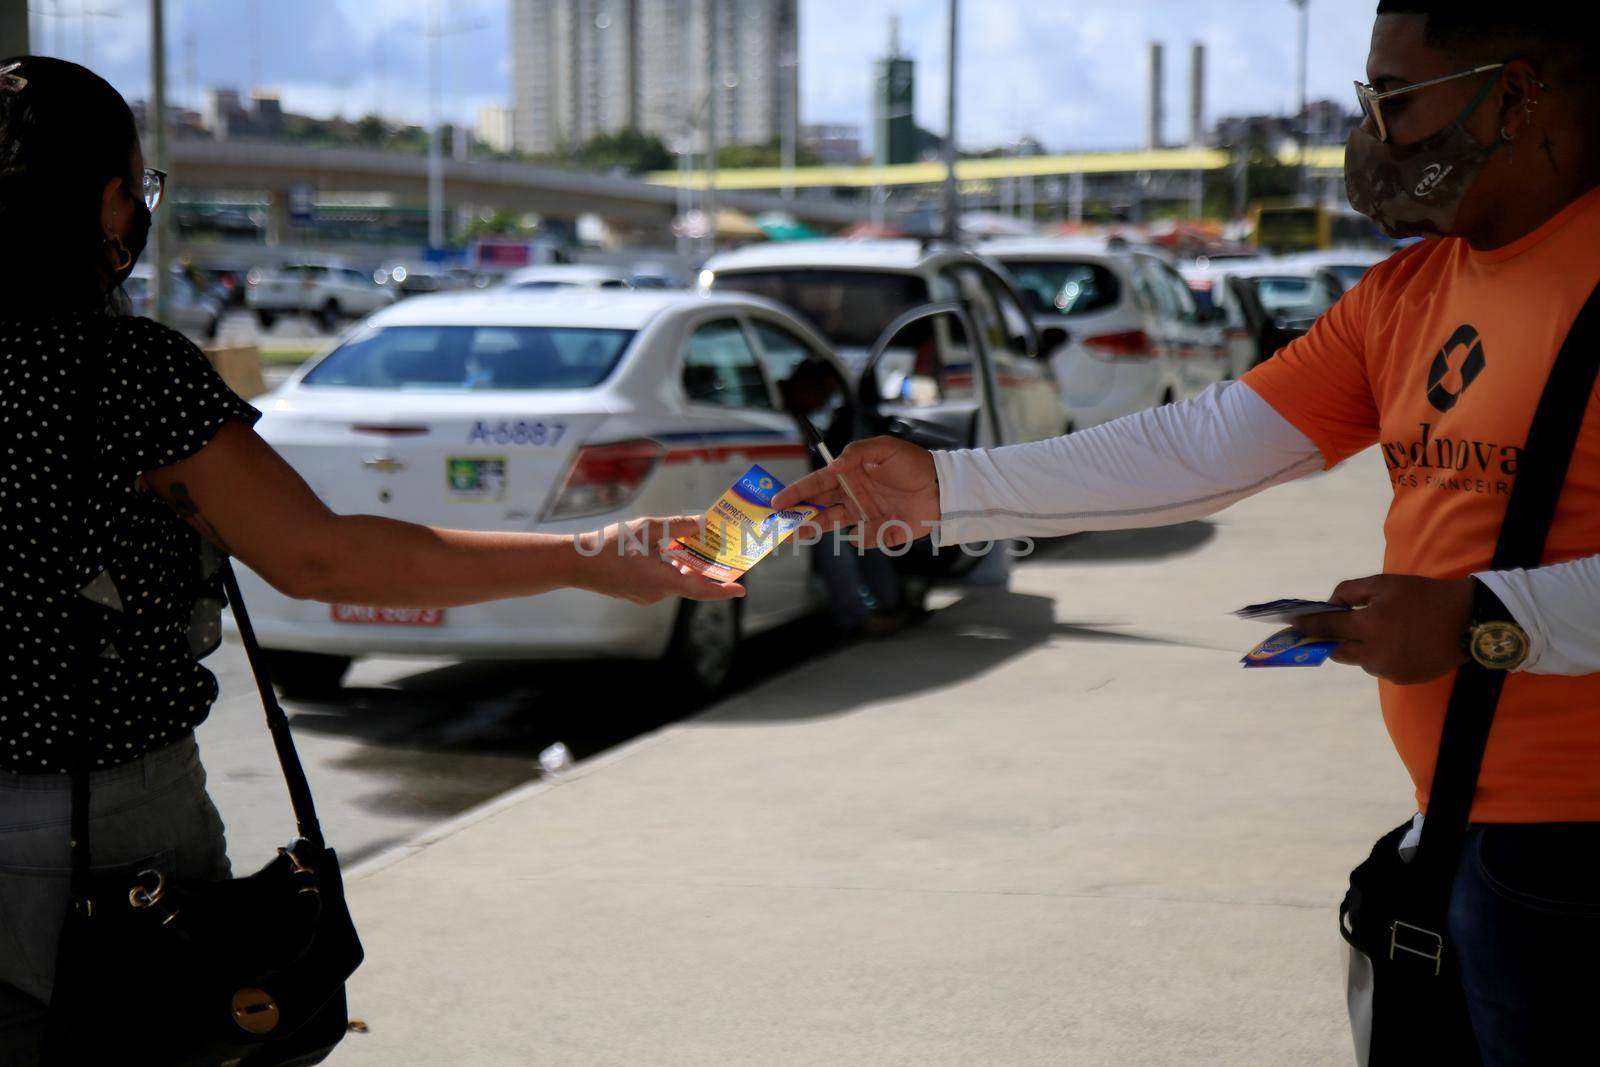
713,101
789,64
435,148
1300,95
952,195
14,38
160,291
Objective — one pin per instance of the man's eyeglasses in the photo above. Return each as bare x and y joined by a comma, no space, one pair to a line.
154,182
1372,100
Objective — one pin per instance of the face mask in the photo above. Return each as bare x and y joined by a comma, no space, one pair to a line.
134,242
1415,190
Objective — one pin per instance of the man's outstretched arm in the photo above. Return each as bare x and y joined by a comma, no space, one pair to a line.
1157,467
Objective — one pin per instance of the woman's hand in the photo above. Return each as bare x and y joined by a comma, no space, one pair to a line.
631,561
894,482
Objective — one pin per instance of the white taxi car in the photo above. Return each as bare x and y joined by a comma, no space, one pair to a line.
559,412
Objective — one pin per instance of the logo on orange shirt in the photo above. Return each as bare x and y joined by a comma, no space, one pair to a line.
1439,392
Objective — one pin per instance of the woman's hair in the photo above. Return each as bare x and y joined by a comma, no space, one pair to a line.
64,132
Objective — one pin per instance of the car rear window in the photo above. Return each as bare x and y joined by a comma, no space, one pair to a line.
850,307
461,358
1064,287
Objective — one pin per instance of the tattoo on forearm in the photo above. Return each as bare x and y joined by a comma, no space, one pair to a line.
1549,147
180,501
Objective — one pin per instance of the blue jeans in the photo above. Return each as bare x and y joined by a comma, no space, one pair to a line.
1525,921
153,811
859,583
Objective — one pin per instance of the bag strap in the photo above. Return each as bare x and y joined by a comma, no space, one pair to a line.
294,776
1541,472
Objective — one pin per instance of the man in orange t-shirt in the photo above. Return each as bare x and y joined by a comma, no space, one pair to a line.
1480,134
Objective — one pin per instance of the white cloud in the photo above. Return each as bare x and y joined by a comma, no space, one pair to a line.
1071,73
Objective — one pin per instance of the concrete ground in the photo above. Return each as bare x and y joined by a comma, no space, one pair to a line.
1056,825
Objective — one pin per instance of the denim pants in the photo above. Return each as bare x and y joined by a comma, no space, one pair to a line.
153,812
859,582
1525,921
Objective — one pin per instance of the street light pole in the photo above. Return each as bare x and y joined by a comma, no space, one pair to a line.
713,101
1300,95
435,149
160,291
952,197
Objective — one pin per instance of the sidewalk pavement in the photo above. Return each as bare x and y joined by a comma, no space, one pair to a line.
1056,825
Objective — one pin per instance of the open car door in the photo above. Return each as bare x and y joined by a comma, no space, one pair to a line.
928,382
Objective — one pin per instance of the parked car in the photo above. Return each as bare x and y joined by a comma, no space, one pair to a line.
853,290
560,412
1279,304
324,292
1345,266
1137,338
569,276
193,313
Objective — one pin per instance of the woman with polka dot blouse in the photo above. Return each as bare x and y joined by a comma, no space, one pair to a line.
127,468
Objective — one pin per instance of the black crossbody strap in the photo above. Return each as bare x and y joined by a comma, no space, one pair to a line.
1541,472
294,775
305,812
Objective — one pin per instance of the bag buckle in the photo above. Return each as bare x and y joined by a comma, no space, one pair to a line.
1431,944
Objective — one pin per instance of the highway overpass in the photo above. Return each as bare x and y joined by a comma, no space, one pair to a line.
275,167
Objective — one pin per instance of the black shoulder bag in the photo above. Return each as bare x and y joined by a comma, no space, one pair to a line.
247,971
1406,1001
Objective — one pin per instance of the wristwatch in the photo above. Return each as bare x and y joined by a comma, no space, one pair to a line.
1493,638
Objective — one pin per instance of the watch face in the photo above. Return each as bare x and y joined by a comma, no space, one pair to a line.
1500,645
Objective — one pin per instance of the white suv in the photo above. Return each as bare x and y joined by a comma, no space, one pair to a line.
326,292
1136,336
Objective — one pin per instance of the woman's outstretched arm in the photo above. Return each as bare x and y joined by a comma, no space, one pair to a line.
242,496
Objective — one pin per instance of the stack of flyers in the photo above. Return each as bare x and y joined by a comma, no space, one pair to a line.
1289,647
1287,609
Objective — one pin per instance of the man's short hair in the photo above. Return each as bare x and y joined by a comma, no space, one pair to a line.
1547,32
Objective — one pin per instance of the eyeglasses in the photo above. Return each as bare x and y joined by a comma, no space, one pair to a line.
1372,100
155,181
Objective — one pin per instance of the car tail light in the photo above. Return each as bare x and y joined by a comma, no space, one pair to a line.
1129,344
605,477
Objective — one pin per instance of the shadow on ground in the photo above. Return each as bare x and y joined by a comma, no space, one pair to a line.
1117,546
446,738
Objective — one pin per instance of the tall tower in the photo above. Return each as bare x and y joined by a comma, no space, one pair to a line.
894,125
1153,123
1197,95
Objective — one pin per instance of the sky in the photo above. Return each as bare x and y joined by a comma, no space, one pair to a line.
1071,74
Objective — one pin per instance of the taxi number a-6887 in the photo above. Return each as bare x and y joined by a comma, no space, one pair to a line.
534,432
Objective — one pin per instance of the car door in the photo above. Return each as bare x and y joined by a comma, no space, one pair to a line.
1205,352
740,423
1026,383
1166,328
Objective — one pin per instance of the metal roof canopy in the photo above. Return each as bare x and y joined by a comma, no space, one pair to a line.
931,173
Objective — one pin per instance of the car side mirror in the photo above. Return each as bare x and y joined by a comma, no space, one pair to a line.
1052,338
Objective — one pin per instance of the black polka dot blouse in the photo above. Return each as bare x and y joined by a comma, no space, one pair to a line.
107,598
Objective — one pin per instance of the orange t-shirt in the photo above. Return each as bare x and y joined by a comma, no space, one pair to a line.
1439,357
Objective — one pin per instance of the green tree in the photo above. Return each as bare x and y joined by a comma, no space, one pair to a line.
627,150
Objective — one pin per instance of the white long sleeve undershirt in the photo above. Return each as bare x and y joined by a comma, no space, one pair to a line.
1192,459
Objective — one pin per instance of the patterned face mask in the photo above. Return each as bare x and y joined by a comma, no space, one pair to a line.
1415,190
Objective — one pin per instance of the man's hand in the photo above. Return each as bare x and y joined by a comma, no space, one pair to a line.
630,560
1404,628
893,480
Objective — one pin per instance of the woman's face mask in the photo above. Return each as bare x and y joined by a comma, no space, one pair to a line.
1415,190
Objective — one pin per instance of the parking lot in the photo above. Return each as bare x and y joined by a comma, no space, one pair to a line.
409,742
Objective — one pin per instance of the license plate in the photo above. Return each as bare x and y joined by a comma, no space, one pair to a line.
357,615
